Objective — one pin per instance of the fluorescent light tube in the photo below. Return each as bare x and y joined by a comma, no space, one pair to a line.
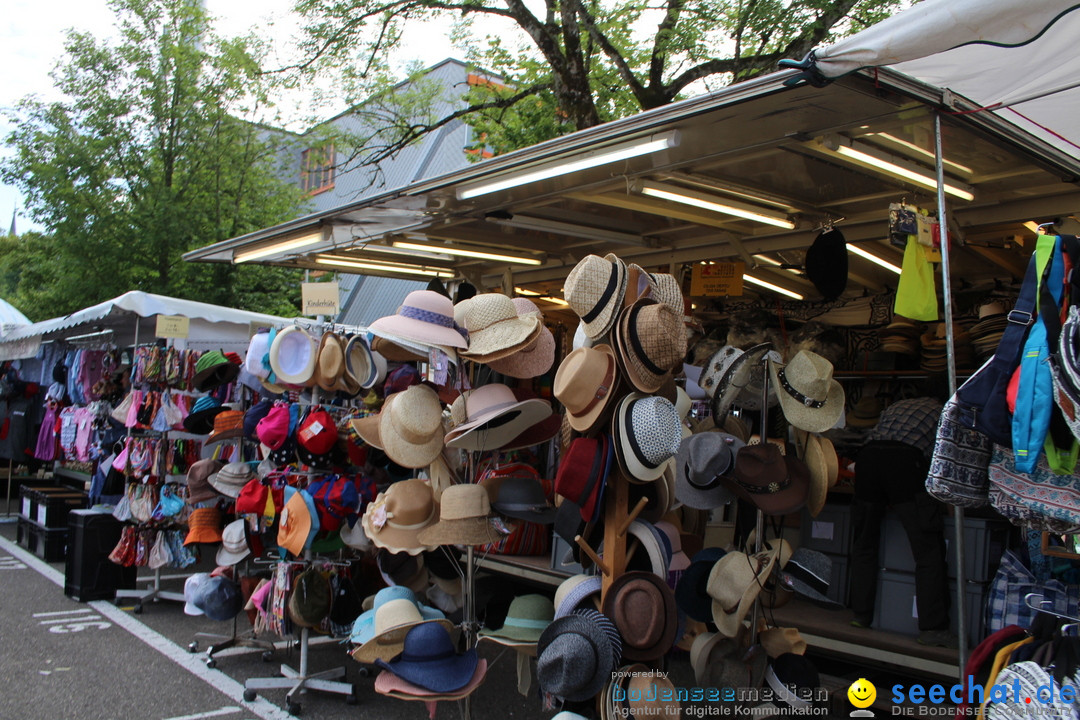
856,250
384,267
569,229
295,244
923,153
455,250
769,286
874,159
602,156
402,253
532,294
715,203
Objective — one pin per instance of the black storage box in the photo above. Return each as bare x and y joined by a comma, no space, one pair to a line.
90,575
49,545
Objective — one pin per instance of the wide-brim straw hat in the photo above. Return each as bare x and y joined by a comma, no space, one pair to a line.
735,581
832,461
651,342
464,518
809,396
494,418
496,331
595,289
527,618
646,433
585,384
741,379
396,517
535,358
393,620
425,317
814,457
293,356
780,640
410,427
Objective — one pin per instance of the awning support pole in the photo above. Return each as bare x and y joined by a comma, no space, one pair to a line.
958,512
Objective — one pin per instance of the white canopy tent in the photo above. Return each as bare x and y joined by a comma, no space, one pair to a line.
211,325
10,318
1014,58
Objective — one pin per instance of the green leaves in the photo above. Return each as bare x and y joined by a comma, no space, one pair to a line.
153,152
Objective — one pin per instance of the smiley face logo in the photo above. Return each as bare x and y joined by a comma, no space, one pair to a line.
862,693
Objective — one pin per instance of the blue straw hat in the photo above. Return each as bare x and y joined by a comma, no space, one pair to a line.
430,661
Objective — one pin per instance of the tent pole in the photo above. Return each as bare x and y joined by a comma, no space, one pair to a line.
958,512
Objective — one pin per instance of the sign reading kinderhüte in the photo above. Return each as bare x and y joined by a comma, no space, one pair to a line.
171,326
319,298
717,279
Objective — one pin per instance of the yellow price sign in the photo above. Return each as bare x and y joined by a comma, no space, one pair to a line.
172,326
717,279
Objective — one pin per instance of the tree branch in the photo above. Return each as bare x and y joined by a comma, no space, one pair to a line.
660,43
623,68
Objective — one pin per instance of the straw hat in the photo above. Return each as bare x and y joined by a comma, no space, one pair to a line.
534,359
866,413
410,428
393,620
429,659
228,424
392,685
293,356
810,398
832,462
526,620
574,591
735,581
595,289
720,661
651,342
814,458
329,363
396,517
495,417
426,317
464,518
496,331
642,607
737,378
360,363
646,433
585,384
780,640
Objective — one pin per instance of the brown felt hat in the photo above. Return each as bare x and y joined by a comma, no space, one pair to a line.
642,606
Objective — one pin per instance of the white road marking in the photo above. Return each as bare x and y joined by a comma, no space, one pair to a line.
208,714
194,664
63,612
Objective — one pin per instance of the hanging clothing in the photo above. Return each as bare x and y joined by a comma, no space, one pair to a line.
46,442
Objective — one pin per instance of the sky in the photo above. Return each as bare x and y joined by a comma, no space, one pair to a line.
32,40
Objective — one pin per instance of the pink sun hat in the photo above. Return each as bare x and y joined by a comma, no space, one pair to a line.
426,317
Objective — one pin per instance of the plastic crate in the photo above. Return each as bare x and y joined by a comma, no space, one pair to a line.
829,532
88,572
30,496
49,545
985,539
53,508
895,609
838,581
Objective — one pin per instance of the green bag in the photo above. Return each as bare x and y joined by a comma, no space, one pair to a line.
916,295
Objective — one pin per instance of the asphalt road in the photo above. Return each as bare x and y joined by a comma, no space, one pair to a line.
65,660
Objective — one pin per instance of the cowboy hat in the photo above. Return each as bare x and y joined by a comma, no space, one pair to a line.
775,481
739,379
809,396
735,581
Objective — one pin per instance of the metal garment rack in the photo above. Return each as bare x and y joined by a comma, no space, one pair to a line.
301,680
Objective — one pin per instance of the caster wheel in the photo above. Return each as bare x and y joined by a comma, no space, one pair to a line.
137,609
363,672
211,663
193,647
249,695
353,699
292,708
268,655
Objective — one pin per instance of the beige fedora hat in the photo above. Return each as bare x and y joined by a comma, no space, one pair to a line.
814,457
464,518
396,517
495,329
595,289
585,384
393,620
329,362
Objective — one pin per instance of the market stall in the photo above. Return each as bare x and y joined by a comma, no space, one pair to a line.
771,206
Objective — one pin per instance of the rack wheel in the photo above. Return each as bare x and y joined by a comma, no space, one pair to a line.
353,699
193,647
211,663
267,655
292,708
249,695
363,672
137,609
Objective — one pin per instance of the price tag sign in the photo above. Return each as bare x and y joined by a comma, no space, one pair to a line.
717,279
172,326
319,298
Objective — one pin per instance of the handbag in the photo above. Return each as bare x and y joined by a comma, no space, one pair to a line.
960,462
982,398
159,553
120,412
1042,491
1012,582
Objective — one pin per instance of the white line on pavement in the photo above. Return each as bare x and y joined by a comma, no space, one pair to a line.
192,663
62,612
208,714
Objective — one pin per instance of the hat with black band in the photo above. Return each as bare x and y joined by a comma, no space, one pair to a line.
808,573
